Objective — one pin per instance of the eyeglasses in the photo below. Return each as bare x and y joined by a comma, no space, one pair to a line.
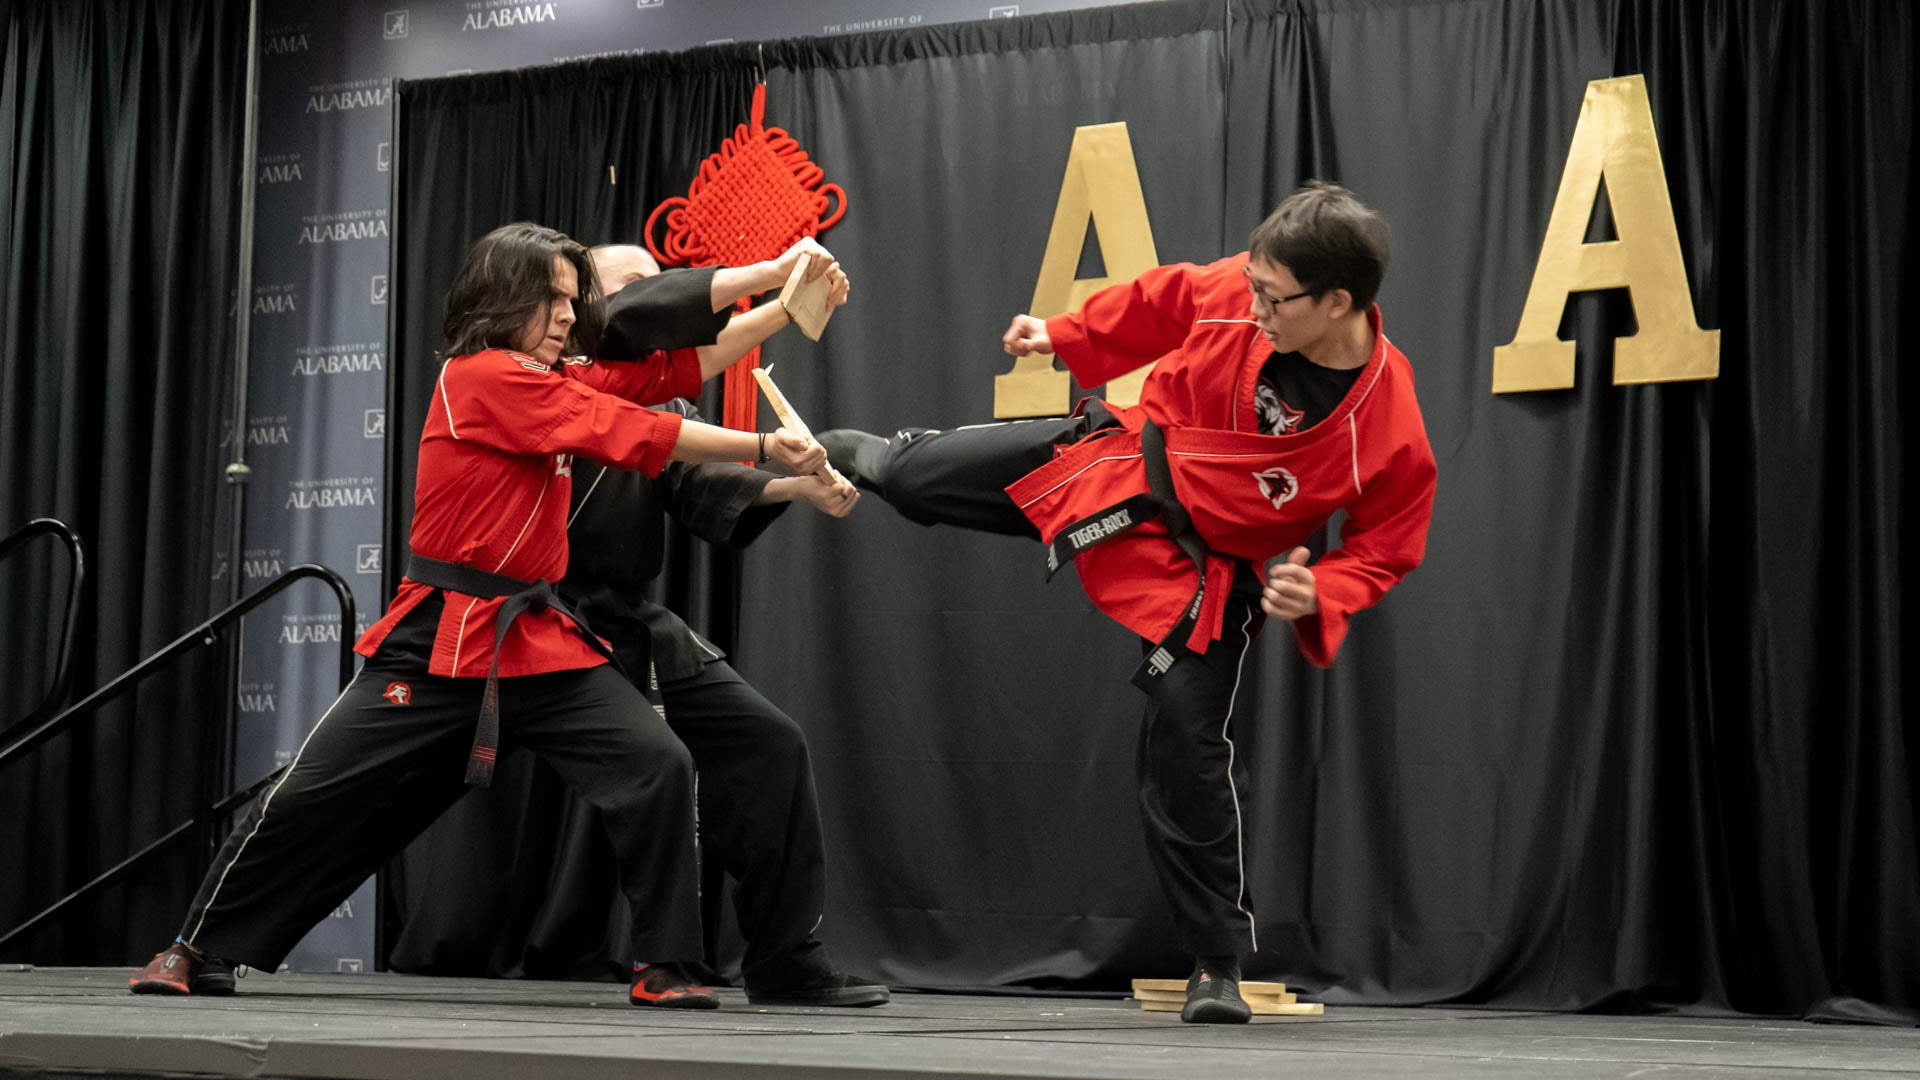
1270,301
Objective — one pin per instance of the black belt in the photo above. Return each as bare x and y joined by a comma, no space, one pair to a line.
1128,514
521,597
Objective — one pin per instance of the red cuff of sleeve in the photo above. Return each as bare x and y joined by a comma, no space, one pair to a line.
1068,336
1319,635
666,432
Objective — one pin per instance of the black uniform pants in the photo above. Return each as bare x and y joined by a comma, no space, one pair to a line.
759,819
959,476
1193,784
1193,787
390,756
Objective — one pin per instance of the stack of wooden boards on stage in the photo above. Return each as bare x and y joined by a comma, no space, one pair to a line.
1265,998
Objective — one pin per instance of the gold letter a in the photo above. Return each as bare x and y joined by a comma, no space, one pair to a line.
1613,139
1101,185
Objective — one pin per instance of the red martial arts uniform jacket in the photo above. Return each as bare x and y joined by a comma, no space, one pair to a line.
1251,496
495,480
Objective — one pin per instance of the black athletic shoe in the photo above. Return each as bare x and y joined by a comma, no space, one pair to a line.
837,990
215,977
856,454
1213,995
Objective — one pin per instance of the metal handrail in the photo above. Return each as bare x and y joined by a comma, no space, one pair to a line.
199,635
63,661
204,634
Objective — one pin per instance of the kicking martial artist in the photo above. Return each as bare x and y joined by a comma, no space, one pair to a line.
1276,402
475,630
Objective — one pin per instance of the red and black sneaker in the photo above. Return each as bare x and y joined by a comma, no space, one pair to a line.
171,971
662,986
180,970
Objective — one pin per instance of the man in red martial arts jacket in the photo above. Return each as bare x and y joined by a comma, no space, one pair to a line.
1277,400
475,630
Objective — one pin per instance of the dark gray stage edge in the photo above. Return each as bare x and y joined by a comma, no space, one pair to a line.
81,1020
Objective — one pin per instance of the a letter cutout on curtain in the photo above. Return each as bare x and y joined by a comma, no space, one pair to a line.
1614,140
1102,185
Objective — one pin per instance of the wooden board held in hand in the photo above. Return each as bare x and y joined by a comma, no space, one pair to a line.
792,422
806,301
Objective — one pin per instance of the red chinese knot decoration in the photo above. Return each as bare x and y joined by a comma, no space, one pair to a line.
753,199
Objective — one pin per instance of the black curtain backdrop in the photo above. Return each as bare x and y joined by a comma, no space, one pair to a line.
122,129
1632,737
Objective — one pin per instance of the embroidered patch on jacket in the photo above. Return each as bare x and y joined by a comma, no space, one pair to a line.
1277,485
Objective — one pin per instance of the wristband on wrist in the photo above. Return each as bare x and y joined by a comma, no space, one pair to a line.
763,449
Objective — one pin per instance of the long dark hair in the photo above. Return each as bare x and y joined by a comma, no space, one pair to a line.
508,277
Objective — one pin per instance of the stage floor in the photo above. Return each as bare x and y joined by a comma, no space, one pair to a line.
81,1020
